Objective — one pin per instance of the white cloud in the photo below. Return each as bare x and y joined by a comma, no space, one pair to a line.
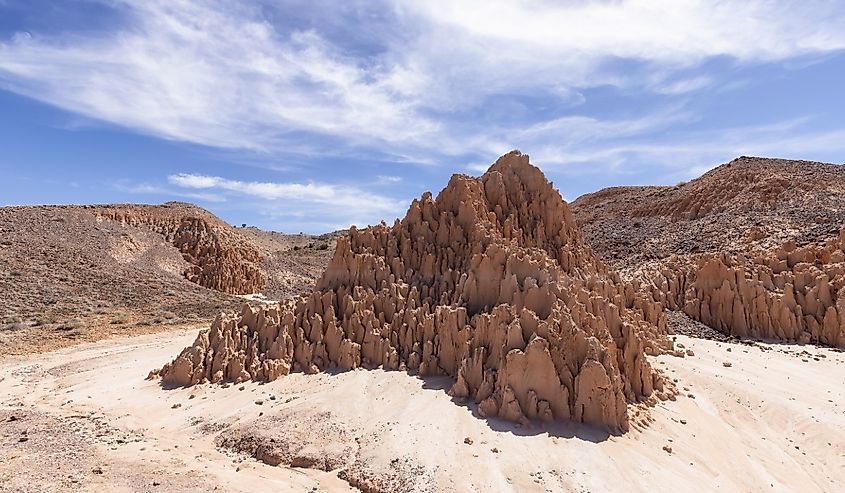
684,86
676,31
221,77
666,159
150,189
335,205
222,74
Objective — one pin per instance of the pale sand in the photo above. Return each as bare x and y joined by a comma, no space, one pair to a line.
769,422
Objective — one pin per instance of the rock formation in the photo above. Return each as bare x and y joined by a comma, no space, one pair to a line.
490,283
220,259
789,293
723,247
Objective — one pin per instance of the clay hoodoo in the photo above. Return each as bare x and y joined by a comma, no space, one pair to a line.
220,259
751,248
790,293
490,283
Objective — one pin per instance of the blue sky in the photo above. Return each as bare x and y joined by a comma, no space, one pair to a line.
313,115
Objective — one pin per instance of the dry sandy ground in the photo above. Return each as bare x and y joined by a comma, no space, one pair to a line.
85,419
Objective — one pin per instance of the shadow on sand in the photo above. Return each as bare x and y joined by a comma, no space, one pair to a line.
559,429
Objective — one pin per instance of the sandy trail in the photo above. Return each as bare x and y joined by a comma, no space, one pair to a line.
772,421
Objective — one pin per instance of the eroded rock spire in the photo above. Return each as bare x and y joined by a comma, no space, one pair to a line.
490,283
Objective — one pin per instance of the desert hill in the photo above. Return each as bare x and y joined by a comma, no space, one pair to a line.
72,273
291,263
746,203
751,248
490,283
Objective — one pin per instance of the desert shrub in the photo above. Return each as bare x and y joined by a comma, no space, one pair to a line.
168,315
120,319
46,319
16,326
296,248
323,246
71,324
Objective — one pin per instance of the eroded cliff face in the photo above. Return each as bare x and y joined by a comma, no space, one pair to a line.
219,258
490,283
790,293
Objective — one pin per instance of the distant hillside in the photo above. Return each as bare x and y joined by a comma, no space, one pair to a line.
73,272
748,202
755,247
291,264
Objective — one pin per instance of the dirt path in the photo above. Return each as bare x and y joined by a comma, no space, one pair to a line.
85,419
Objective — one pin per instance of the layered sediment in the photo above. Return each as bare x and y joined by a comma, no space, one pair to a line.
219,258
490,283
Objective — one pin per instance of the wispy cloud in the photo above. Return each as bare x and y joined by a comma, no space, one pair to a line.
229,74
684,86
126,186
655,158
335,205
213,74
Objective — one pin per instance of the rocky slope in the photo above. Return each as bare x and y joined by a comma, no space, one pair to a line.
219,258
752,248
75,273
490,283
746,203
291,263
